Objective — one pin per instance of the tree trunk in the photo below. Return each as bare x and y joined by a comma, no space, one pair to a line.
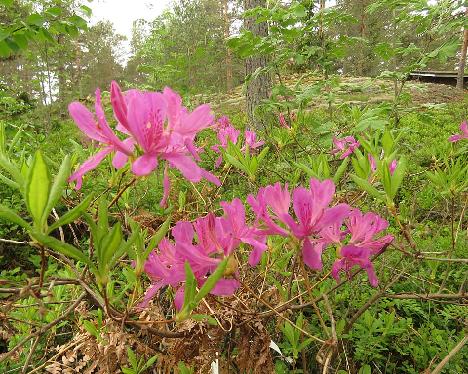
258,88
228,60
461,64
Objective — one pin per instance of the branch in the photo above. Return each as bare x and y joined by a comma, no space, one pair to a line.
428,296
452,353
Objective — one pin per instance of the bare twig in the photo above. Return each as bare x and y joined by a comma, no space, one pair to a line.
452,353
31,352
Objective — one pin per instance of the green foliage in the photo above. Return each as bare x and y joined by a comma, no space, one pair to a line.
46,26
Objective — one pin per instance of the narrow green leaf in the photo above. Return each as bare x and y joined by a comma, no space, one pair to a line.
11,215
37,188
11,168
398,176
234,162
341,169
262,154
103,219
158,236
109,245
9,182
57,187
71,215
386,179
63,248
366,186
211,281
190,287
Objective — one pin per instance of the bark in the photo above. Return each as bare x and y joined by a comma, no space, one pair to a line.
462,63
258,88
228,60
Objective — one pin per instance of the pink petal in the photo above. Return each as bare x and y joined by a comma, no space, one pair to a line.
119,160
186,165
144,165
150,293
119,105
90,164
312,254
85,121
166,189
225,287
179,298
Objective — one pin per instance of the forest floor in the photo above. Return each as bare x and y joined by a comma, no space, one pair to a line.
351,91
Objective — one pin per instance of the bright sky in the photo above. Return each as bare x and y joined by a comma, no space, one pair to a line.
122,13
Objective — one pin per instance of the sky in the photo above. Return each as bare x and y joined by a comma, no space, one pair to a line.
122,13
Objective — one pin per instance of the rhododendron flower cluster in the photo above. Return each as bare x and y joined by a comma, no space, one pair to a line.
463,133
156,127
345,146
306,215
226,133
217,238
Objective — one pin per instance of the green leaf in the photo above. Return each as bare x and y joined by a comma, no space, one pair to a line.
262,154
341,169
86,10
158,236
20,40
387,143
109,244
54,11
89,326
386,179
11,215
204,317
12,169
5,50
398,176
6,2
9,182
37,188
57,187
132,358
234,162
190,288
71,215
103,219
366,186
211,281
63,248
35,19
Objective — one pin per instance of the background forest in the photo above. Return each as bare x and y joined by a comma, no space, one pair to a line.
314,114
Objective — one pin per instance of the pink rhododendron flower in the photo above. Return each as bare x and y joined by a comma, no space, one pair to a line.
251,139
312,211
157,127
345,145
361,241
352,256
463,133
225,135
373,164
282,121
392,166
